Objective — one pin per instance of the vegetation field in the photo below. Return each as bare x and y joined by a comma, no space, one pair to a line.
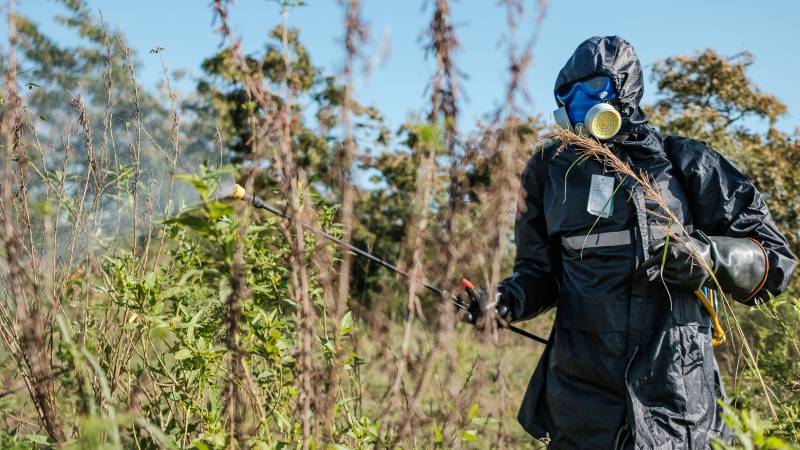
140,309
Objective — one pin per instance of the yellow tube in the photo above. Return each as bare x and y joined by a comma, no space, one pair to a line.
719,334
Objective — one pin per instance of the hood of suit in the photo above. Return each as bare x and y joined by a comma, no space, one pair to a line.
615,58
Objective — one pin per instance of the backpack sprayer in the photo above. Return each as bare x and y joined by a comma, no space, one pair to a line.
239,193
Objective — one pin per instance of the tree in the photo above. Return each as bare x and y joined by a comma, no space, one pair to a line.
221,108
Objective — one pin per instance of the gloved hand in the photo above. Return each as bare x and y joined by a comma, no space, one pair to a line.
739,264
685,260
476,303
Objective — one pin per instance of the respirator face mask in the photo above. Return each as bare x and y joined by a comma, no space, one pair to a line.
586,108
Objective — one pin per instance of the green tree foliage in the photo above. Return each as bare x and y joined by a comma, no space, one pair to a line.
222,107
225,106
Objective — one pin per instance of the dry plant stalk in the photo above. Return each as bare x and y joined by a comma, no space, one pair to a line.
421,214
509,148
135,151
337,296
497,205
176,152
124,342
274,127
445,95
591,148
235,404
445,89
355,35
295,187
444,110
28,348
91,167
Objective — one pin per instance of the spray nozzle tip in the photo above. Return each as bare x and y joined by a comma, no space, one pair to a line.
237,193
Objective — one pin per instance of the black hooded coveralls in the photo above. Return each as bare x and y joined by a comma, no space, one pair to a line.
622,352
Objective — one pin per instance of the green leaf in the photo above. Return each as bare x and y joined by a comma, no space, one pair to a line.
346,324
193,222
218,209
157,308
149,281
469,435
193,324
170,292
327,344
437,434
182,354
473,411
485,421
38,439
776,443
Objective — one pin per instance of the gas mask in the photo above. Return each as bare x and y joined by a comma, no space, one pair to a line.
585,108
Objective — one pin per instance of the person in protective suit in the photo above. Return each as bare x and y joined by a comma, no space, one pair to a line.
629,364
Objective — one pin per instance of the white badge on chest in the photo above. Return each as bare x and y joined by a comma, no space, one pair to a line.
601,196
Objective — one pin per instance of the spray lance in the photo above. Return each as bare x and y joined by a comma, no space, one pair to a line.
238,193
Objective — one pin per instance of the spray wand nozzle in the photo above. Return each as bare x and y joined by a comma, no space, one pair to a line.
239,193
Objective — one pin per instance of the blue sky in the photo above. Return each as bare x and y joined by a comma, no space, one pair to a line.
397,85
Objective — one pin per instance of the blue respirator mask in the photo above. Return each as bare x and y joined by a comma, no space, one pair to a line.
585,108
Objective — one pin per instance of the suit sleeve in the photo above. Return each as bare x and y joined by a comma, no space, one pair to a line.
725,203
533,287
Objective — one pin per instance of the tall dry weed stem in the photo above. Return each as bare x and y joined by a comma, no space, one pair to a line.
443,112
23,331
275,127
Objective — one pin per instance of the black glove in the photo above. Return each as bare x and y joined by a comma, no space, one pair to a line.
685,260
739,264
475,303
